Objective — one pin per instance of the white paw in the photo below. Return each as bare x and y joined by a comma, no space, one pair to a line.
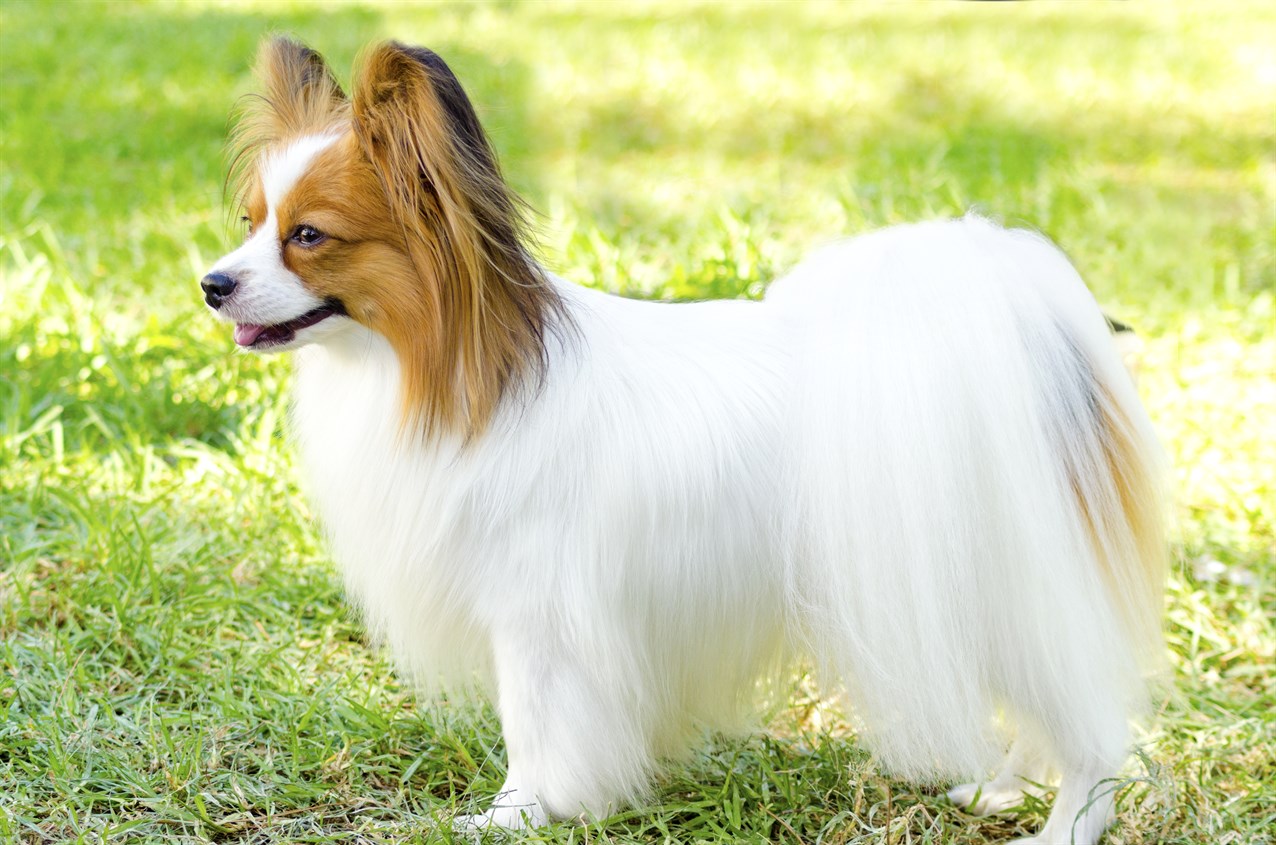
471,823
985,799
512,810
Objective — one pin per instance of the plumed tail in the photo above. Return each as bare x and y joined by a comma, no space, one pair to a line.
1117,473
978,518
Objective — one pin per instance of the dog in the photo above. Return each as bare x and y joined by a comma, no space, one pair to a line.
917,464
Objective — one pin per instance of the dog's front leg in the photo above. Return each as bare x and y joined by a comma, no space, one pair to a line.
574,724
515,807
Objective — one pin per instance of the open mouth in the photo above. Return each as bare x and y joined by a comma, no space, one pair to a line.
253,336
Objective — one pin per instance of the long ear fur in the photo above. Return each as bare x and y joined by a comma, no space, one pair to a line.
300,96
489,304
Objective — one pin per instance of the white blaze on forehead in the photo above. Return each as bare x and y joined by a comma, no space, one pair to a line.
281,169
269,293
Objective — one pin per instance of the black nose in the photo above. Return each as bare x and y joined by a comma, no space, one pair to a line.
217,286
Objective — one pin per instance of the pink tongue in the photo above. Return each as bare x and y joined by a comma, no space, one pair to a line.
246,333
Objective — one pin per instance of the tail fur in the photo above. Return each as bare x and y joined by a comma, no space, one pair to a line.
978,489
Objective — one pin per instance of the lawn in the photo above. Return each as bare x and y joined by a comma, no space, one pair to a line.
178,663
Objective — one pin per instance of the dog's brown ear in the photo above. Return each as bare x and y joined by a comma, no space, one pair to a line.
300,91
489,302
418,128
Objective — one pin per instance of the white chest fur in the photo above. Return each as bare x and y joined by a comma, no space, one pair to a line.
636,486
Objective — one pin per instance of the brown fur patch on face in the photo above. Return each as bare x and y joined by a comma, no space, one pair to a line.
481,306
363,259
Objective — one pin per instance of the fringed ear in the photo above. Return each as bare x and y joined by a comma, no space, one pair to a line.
302,94
299,96
490,304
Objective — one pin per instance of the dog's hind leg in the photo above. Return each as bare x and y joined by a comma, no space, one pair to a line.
1089,754
1023,772
1083,809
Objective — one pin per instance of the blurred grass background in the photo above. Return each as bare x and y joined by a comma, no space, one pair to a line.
178,665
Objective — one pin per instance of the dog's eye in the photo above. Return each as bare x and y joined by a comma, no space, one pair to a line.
248,226
307,235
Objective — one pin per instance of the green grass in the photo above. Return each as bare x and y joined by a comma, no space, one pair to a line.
178,663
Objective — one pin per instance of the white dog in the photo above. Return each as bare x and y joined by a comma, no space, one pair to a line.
919,463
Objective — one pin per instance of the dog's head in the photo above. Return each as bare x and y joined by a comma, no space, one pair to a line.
385,209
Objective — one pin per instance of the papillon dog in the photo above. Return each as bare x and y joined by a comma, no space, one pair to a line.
917,466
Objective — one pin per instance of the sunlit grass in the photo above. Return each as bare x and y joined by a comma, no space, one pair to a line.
178,661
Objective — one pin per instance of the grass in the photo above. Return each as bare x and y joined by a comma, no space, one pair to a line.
178,663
